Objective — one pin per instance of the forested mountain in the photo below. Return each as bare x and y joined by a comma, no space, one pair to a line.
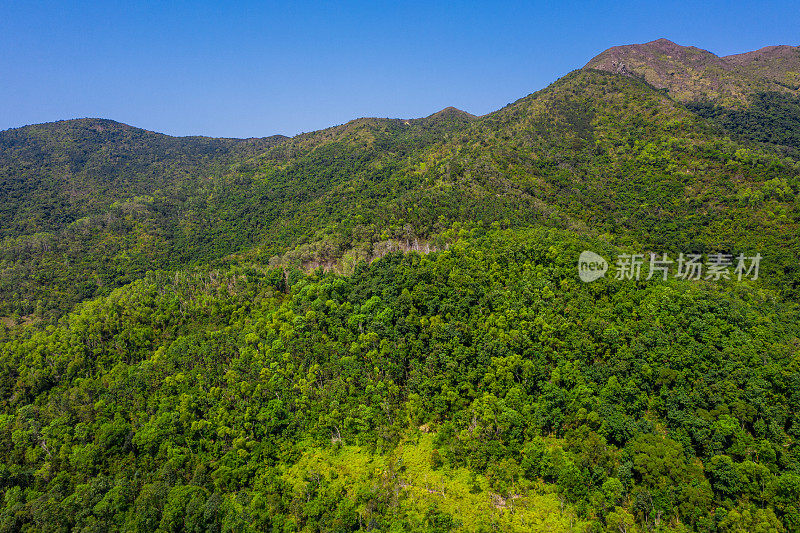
380,326
78,167
752,95
90,204
592,150
689,73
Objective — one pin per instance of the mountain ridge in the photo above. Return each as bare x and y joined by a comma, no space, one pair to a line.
691,73
629,59
101,125
561,156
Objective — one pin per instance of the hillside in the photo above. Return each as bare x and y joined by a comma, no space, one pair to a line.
482,387
754,96
595,153
592,150
690,74
379,325
102,203
76,168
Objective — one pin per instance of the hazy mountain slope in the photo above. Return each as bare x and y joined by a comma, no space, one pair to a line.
52,174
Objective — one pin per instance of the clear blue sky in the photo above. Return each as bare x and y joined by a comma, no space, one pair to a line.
243,69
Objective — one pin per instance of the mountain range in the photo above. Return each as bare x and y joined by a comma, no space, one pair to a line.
379,325
691,74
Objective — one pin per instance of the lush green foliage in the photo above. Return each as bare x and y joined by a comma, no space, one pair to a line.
246,335
200,398
88,205
771,118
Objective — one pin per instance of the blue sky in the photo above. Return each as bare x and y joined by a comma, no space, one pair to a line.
242,69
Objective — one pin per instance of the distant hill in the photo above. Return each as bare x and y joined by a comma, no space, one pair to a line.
593,150
754,95
89,204
73,168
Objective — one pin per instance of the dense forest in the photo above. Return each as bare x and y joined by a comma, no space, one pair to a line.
380,326
770,118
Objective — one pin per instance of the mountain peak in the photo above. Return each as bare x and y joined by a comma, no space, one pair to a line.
98,125
662,45
622,58
451,112
690,73
780,52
